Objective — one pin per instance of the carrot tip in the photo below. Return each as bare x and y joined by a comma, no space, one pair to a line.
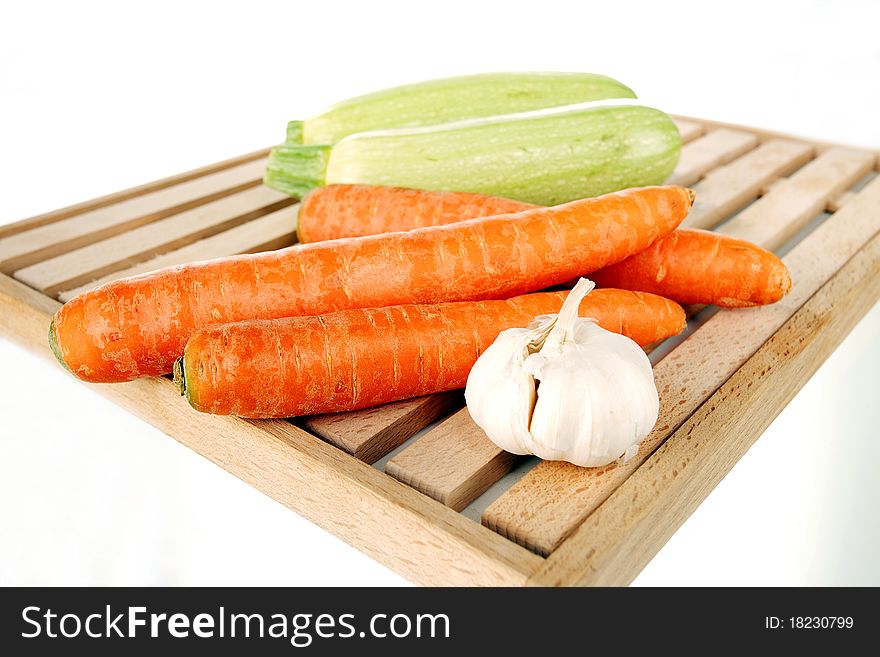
179,377
692,195
53,345
298,231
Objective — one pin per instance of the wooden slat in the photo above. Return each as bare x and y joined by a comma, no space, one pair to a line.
631,526
799,198
704,154
766,134
371,433
408,532
837,202
114,253
454,463
46,241
731,187
433,546
123,195
689,129
470,462
274,231
544,507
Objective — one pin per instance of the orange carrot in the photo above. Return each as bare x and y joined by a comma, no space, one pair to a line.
139,326
688,266
362,357
335,211
699,267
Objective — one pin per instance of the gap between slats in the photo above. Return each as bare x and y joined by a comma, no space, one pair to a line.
708,152
123,195
79,266
627,529
549,503
276,230
471,462
731,187
372,434
799,198
458,486
745,178
47,241
462,442
689,130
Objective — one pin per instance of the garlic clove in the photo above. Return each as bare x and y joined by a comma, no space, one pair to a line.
562,418
500,395
564,389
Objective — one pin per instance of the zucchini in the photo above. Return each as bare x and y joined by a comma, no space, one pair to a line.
453,99
545,157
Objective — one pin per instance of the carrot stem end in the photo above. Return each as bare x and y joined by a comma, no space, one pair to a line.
55,347
180,377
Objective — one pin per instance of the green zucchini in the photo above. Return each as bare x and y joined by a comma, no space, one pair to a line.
453,99
546,157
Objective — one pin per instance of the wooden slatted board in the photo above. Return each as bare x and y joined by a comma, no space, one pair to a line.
416,484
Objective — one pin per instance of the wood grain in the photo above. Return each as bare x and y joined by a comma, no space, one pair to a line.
371,433
704,154
45,241
273,231
614,520
764,134
630,527
546,505
799,198
453,463
416,536
125,194
837,202
731,187
73,268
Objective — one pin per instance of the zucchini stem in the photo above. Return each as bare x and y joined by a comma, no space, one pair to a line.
294,133
296,169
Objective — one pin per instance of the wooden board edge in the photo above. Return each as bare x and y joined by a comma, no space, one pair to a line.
437,546
614,544
123,195
540,576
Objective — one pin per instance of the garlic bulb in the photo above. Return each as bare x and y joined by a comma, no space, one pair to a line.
564,389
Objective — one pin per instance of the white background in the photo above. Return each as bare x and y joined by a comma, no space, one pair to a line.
96,98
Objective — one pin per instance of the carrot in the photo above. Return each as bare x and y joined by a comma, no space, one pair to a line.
698,267
335,211
358,358
688,266
139,326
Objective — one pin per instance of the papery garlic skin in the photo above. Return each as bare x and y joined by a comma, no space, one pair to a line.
564,389
596,397
500,382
